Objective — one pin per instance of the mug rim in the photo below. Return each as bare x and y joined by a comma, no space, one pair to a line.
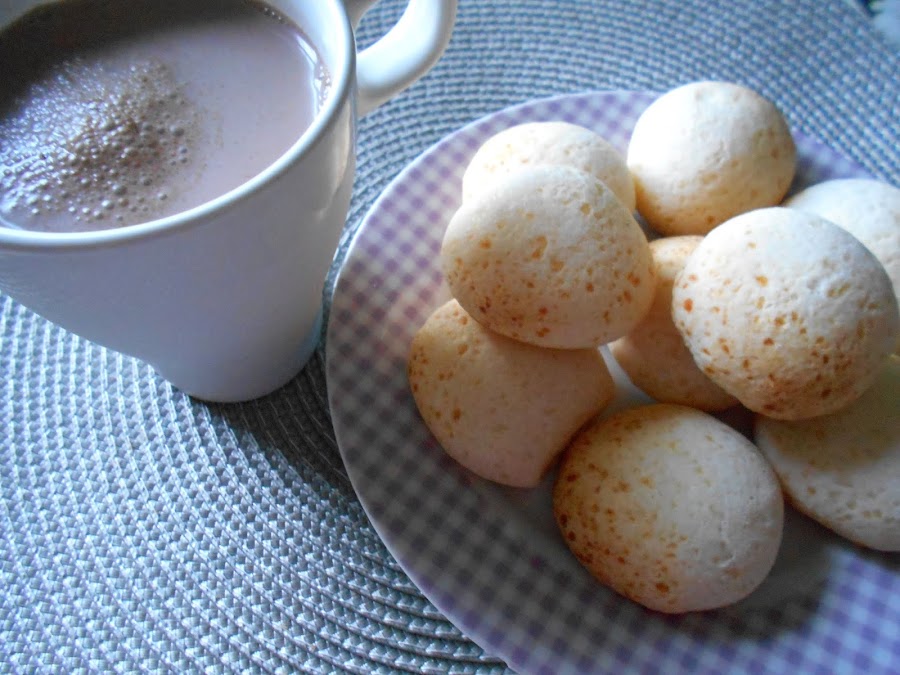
14,238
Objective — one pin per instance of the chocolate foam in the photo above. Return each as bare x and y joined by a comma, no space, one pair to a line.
95,148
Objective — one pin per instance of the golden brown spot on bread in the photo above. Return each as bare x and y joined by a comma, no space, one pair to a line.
462,349
540,244
485,243
556,264
688,305
838,291
457,413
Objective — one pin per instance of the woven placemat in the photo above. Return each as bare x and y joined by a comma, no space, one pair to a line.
141,530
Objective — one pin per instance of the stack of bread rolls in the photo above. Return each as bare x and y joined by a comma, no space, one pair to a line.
786,308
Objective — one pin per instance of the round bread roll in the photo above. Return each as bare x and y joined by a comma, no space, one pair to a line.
539,143
653,354
705,152
501,408
786,311
868,209
843,469
551,258
669,507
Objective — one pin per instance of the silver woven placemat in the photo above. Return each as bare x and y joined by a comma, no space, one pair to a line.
141,530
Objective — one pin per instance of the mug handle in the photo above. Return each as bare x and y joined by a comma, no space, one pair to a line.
405,53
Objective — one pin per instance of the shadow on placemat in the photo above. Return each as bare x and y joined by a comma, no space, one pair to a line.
295,420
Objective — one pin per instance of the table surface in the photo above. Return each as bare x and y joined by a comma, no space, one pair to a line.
141,530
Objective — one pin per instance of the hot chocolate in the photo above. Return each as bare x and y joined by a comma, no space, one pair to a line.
114,113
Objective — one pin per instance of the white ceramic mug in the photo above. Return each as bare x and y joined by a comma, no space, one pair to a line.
224,300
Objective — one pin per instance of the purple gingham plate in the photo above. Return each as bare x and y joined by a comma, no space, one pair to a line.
490,557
